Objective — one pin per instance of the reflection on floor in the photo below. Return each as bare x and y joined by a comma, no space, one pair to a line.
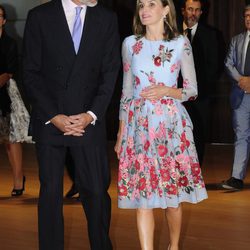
219,223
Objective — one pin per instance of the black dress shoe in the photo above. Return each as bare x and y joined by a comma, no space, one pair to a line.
18,192
233,184
72,192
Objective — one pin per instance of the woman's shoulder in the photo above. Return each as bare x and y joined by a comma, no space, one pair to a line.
129,40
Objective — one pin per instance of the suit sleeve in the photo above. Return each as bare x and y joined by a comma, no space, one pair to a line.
109,69
230,62
41,101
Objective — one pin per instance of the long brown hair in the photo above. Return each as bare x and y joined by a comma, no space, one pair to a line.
170,26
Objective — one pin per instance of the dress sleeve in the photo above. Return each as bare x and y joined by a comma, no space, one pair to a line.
189,91
127,89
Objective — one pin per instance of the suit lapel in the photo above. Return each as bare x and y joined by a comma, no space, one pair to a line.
241,50
88,35
63,29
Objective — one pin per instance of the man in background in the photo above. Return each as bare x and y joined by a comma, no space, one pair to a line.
205,52
238,69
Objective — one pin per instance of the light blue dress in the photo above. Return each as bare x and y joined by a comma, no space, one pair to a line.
158,165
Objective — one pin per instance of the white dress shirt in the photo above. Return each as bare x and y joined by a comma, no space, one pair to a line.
193,29
245,49
70,12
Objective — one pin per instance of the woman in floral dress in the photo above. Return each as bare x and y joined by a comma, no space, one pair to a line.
158,165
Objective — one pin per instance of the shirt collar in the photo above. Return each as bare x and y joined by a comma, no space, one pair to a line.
68,5
194,28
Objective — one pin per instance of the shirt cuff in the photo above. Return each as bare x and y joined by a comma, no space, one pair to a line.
93,116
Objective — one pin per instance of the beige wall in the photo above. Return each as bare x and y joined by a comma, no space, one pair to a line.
17,11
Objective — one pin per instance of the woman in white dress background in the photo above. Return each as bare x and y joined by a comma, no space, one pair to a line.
14,118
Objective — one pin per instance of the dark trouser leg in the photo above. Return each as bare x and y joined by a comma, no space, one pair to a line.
199,112
50,207
241,126
93,176
70,166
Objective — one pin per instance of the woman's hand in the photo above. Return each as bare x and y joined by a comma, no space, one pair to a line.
154,92
118,145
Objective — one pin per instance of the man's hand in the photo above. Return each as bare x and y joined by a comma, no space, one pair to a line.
61,121
244,83
78,123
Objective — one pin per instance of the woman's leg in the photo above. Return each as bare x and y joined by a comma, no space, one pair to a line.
174,217
145,226
14,151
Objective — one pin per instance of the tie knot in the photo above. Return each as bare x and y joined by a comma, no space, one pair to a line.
78,10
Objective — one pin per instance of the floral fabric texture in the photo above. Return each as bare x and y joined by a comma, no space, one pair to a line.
14,127
158,165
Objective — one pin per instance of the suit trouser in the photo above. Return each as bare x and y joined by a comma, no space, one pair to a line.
199,111
70,166
241,126
93,182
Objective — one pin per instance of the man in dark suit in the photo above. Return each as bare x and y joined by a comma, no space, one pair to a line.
70,65
237,64
205,52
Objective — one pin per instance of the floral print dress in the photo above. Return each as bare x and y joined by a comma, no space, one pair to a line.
158,165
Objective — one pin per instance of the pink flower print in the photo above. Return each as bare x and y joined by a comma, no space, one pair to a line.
146,145
170,134
126,67
160,192
130,142
154,181
157,61
184,123
185,83
183,181
164,175
162,150
142,184
140,158
152,134
135,194
130,116
123,191
163,101
142,137
172,190
161,47
137,47
158,109
196,169
173,67
151,78
137,165
168,163
172,110
137,81
185,143
145,124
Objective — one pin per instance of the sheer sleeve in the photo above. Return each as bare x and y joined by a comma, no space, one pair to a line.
127,89
189,91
